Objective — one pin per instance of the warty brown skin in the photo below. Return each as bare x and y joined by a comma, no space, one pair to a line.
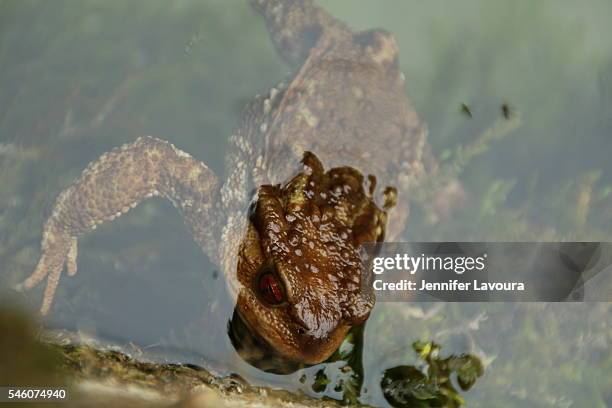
346,104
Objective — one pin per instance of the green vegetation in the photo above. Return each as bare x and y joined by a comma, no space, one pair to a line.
407,386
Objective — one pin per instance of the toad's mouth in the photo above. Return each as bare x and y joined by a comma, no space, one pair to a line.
255,350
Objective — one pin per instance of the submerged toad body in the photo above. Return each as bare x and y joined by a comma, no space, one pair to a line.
291,257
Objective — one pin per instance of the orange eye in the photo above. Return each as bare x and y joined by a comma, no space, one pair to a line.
270,289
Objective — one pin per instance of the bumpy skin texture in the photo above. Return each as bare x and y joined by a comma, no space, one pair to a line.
346,104
113,184
307,233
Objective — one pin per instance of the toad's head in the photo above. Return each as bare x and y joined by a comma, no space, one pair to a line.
299,265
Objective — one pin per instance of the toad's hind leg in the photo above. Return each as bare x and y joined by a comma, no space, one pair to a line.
113,184
295,26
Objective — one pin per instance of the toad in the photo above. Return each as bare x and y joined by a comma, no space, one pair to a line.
332,154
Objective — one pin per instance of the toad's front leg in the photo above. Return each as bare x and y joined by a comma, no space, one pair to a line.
113,184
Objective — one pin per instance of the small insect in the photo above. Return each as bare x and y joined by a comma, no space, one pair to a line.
506,110
465,109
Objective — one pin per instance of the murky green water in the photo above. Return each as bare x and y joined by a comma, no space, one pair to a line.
78,78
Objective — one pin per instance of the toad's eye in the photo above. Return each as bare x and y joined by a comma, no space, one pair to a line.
270,288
